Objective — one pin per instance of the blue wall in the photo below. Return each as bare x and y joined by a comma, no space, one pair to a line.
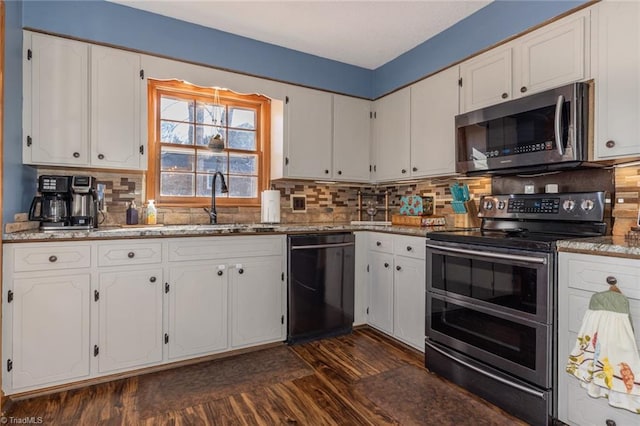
18,181
111,23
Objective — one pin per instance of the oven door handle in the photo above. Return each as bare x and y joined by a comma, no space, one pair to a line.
518,386
529,259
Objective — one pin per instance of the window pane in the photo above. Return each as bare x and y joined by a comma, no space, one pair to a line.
242,118
203,185
208,113
176,184
211,162
176,160
203,133
180,133
242,139
176,109
243,164
243,186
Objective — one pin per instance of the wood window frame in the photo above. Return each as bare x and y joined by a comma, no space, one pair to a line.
263,133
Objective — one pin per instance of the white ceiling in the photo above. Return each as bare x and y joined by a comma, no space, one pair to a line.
366,33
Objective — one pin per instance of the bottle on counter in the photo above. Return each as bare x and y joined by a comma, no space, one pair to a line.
152,213
132,214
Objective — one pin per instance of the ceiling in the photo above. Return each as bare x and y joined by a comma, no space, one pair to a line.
366,33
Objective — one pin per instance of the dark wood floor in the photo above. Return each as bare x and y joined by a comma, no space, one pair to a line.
359,379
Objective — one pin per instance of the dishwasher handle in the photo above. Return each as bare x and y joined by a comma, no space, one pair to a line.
320,246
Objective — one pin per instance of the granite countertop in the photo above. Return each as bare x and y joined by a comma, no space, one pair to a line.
210,230
615,246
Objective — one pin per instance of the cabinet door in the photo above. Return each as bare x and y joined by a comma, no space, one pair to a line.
434,105
56,101
116,100
308,133
616,60
551,56
50,326
381,291
391,136
351,138
197,309
130,318
409,301
486,79
257,301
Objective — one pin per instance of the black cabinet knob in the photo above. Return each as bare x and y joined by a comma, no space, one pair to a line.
241,271
523,89
398,268
152,279
100,156
378,243
409,248
612,280
386,265
505,95
610,422
76,155
339,172
610,144
131,255
53,259
404,171
326,171
220,273
415,169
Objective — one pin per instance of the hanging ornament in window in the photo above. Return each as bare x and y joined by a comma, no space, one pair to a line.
216,142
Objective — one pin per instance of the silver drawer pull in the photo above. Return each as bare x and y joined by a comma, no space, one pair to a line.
53,259
131,255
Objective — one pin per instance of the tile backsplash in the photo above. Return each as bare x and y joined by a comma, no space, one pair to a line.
334,203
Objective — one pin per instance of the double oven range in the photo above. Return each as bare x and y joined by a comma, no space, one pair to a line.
492,298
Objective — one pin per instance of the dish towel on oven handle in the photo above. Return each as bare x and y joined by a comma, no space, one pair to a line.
605,357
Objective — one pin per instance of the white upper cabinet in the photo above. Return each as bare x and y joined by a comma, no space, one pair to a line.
616,72
551,56
351,138
486,79
391,136
548,57
308,133
83,105
434,104
56,101
118,92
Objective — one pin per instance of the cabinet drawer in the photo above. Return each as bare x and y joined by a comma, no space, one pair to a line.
409,246
381,242
129,253
51,257
181,249
590,273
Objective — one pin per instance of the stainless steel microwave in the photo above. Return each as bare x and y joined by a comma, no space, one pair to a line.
541,132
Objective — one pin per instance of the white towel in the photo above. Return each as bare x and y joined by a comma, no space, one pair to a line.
605,358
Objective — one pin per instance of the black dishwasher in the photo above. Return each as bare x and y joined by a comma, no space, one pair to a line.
321,285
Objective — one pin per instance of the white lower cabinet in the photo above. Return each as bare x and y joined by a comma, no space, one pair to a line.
197,305
397,287
258,292
49,319
117,306
130,319
580,276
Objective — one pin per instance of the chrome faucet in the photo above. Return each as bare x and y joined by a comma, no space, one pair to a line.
213,214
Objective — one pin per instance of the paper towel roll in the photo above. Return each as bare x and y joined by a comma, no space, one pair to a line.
270,206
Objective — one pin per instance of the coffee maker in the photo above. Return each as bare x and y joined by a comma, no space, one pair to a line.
52,207
84,202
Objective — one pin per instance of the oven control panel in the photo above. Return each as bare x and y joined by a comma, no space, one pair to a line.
576,206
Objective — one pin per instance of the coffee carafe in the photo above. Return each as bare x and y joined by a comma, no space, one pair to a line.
84,208
51,208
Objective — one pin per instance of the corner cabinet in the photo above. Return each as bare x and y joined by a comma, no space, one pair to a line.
580,276
548,57
391,136
351,139
83,105
616,67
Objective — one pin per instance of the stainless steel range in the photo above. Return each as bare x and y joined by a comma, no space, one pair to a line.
491,298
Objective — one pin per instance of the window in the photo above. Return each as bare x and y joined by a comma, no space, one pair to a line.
182,120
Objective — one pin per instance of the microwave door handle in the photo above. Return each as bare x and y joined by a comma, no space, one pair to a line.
558,125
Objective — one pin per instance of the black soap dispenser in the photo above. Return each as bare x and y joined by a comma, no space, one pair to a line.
132,214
